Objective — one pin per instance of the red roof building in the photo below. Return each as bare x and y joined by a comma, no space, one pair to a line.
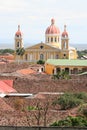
6,86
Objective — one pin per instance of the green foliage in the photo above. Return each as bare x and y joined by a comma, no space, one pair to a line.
40,62
83,109
61,75
31,108
81,53
70,100
81,95
20,51
72,121
4,51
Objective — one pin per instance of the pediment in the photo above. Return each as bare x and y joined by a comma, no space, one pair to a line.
42,46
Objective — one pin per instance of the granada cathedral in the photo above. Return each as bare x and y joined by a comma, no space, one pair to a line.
56,46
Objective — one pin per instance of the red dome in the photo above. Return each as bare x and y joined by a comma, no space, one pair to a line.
18,33
52,29
64,34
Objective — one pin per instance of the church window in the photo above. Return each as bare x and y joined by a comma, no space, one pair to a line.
26,56
64,54
56,56
51,39
41,47
41,56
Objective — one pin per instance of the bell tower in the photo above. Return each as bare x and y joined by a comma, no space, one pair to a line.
18,39
64,44
64,40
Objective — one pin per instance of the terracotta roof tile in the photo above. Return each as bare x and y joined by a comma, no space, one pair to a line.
6,86
26,71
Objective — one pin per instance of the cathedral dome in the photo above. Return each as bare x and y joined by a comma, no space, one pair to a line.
18,33
65,33
52,29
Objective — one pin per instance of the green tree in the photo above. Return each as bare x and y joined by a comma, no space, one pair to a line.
68,100
4,51
83,110
81,53
40,62
71,121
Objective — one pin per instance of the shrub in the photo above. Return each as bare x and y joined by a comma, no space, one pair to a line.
81,95
71,121
83,109
31,108
61,75
68,100
40,62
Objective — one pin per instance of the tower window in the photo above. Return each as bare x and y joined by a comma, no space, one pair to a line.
64,45
17,35
18,44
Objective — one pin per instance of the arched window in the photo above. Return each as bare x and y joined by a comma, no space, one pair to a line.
57,56
51,39
64,45
26,57
18,44
41,56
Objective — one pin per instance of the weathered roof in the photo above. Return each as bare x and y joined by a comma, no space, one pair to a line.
67,62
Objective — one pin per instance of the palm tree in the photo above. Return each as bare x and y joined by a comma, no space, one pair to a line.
20,51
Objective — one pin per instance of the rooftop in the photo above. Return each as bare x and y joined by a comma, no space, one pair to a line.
67,62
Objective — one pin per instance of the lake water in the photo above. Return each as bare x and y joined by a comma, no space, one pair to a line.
79,46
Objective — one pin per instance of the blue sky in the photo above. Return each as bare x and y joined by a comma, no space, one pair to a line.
34,17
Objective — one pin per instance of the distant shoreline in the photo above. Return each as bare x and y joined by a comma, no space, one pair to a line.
79,46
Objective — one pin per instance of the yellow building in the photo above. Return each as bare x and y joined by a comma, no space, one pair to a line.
53,66
56,46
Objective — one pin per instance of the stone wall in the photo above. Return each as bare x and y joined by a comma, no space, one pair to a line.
41,128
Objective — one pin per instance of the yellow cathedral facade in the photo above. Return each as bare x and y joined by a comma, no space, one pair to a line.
56,46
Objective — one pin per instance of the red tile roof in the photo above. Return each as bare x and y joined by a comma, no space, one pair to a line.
6,86
26,71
